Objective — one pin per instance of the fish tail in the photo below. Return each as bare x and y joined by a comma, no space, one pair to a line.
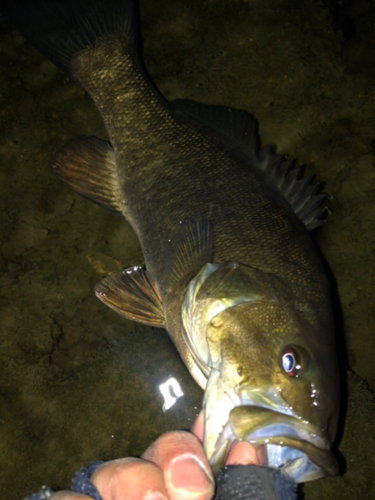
60,29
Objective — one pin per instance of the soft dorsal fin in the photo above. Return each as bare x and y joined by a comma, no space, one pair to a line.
301,193
237,126
133,294
88,166
240,131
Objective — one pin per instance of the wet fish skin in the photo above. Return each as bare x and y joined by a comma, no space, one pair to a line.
197,189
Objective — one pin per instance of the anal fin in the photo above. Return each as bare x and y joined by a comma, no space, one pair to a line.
88,166
133,294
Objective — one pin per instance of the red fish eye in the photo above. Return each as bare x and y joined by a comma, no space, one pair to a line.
290,362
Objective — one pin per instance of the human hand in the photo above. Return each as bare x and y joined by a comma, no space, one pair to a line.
174,467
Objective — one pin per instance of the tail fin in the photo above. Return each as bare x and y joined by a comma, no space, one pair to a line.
59,29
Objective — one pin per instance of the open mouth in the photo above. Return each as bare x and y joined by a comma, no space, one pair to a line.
280,441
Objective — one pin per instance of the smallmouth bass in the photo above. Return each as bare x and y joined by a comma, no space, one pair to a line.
231,271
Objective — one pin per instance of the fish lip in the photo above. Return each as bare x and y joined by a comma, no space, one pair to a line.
298,452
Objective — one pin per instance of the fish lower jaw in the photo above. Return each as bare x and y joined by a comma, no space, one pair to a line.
300,460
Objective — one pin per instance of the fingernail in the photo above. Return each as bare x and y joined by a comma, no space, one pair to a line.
189,476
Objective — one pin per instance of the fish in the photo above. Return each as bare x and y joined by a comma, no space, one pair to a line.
230,269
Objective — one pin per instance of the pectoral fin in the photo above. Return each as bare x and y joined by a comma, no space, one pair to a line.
191,247
133,294
88,166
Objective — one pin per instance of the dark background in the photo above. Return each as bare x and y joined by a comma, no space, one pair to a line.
77,382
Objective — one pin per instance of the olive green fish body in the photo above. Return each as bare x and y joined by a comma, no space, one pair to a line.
176,164
171,167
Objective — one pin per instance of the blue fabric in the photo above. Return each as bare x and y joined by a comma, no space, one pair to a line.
252,482
81,481
241,482
80,484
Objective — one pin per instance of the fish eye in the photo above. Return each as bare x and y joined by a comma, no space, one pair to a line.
291,361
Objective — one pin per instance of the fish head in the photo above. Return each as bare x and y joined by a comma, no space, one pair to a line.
271,372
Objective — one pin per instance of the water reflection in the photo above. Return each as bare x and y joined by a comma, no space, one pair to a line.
171,391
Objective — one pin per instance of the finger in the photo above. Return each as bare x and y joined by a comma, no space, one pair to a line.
242,453
68,495
197,428
129,479
186,470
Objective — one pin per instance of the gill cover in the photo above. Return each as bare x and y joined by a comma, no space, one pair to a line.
216,288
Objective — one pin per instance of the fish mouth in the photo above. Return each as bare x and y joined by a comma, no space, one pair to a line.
281,442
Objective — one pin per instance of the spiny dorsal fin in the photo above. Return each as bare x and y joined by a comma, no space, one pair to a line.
88,166
239,129
133,294
190,247
301,193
